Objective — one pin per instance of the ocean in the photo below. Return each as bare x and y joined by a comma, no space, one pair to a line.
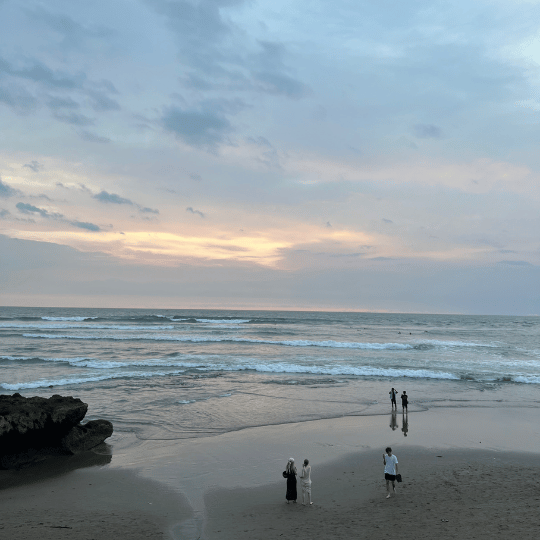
180,374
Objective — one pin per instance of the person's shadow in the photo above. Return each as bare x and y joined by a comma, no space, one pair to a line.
405,423
393,421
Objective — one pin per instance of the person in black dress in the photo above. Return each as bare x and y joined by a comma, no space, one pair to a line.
290,475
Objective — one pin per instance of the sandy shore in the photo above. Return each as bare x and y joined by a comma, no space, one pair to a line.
462,479
461,494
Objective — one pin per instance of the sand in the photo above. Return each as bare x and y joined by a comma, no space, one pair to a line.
462,494
51,502
462,479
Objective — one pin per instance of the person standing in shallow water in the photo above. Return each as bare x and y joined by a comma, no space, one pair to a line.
393,394
305,480
390,470
290,475
405,401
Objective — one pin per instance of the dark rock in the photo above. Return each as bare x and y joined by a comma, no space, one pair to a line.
34,428
86,436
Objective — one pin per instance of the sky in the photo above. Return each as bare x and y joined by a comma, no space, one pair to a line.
345,155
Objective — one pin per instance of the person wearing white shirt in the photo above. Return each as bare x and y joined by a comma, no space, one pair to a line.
390,470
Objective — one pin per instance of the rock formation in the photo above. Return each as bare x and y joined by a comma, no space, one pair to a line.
34,428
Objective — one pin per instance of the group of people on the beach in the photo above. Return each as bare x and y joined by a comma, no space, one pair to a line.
390,475
389,459
290,473
404,399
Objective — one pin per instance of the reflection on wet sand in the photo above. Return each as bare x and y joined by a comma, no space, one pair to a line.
393,420
405,423
55,466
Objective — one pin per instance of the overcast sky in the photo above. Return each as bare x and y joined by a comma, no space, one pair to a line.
353,155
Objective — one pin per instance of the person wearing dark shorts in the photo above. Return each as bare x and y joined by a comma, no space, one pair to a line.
393,394
390,470
404,401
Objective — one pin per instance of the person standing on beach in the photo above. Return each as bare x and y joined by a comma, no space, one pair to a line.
405,401
290,475
393,394
305,480
390,470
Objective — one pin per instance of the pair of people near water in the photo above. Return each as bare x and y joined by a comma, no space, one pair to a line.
305,481
404,399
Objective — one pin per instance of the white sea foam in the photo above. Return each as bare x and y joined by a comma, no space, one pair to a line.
186,401
84,380
90,326
213,339
68,318
531,379
364,371
223,321
440,343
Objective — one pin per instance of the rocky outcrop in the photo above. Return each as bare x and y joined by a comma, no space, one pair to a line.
84,437
34,428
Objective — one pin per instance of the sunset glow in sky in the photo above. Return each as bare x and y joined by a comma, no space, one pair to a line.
340,155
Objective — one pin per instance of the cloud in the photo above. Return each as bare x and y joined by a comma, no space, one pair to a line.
387,220
73,118
101,102
26,208
3,213
516,263
33,165
92,137
74,34
276,83
55,102
148,210
7,191
113,198
40,73
17,98
195,177
85,225
328,224
427,131
198,212
204,129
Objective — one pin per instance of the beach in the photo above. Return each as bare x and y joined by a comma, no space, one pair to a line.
468,473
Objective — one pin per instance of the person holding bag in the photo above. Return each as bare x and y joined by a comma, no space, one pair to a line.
290,474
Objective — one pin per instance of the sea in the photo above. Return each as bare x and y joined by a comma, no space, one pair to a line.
181,374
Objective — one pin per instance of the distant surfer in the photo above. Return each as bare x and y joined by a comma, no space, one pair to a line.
393,394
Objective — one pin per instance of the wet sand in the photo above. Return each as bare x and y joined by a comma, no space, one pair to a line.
51,502
230,486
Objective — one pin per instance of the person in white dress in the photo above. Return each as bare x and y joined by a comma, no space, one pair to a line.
305,480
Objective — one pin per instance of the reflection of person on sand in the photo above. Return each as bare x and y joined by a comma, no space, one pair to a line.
290,475
404,401
390,470
393,394
305,477
393,421
405,423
